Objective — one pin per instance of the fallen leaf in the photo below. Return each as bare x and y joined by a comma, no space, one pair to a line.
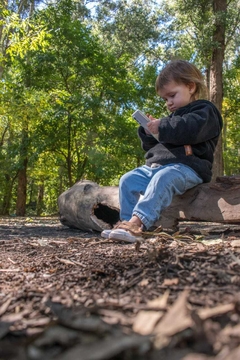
145,321
176,319
212,242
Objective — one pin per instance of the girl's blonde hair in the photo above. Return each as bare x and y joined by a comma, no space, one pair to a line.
182,72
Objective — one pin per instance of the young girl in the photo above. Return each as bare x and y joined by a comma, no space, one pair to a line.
180,160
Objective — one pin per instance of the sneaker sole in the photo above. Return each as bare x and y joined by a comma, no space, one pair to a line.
122,235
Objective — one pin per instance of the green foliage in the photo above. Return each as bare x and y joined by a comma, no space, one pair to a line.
127,27
71,79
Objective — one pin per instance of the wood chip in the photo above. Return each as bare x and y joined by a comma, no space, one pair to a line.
235,243
169,282
146,321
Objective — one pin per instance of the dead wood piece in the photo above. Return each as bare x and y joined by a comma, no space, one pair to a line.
207,228
234,179
88,206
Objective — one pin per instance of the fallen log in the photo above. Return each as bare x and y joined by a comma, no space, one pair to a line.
88,206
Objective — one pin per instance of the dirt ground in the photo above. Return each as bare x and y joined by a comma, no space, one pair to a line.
67,295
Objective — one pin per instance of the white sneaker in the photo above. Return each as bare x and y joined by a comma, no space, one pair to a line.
105,234
122,235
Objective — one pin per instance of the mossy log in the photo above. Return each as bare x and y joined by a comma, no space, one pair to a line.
88,206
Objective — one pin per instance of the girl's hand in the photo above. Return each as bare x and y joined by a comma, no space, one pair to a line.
153,125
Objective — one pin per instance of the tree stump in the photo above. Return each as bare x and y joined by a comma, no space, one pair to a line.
88,206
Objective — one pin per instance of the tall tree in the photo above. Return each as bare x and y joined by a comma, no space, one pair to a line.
216,72
201,31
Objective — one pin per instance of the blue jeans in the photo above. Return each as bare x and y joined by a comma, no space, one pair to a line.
157,186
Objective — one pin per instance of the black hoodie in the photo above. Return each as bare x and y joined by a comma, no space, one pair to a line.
198,124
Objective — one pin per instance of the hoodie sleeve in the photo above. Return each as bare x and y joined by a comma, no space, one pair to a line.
196,123
147,141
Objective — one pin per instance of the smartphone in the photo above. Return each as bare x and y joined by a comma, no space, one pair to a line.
142,119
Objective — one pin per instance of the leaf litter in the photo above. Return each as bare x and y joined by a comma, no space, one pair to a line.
68,294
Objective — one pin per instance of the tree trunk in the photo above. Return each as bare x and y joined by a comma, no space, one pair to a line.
69,149
22,175
216,76
40,199
22,190
7,195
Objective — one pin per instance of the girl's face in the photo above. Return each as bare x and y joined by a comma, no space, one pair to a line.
177,95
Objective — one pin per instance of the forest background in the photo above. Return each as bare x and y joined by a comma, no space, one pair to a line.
72,72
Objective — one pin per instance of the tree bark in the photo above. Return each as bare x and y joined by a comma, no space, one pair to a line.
7,195
88,206
216,74
22,175
40,198
22,190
